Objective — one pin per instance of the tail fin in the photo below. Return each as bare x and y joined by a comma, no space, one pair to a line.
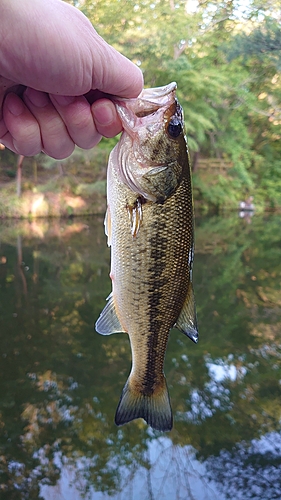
155,409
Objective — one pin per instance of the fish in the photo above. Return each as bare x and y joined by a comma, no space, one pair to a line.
149,224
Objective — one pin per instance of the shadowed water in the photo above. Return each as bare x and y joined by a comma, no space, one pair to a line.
60,382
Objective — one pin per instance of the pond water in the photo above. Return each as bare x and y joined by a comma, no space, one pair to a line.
60,382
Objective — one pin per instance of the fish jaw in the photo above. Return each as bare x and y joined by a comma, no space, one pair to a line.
144,117
133,111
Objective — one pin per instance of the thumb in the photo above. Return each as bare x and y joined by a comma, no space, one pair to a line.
113,73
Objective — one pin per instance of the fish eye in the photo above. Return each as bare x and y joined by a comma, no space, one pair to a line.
174,128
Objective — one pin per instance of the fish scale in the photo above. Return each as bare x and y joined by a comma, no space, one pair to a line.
150,230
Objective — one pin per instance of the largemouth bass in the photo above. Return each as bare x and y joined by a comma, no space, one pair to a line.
149,225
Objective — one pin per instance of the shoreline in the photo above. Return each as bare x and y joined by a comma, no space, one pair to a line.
58,198
34,205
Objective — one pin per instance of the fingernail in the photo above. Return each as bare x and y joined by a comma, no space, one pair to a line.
39,99
103,114
14,104
63,100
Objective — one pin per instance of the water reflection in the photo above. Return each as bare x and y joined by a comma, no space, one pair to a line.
60,382
169,472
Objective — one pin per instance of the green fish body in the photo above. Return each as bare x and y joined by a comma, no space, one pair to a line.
149,225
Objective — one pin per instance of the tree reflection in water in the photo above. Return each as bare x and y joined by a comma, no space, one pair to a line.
249,471
167,471
60,382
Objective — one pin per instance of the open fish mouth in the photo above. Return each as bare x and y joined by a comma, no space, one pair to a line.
150,100
153,95
157,94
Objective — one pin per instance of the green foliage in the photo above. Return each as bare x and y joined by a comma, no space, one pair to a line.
90,189
270,183
224,58
264,39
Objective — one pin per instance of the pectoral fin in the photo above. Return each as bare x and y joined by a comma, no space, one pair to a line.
108,321
187,320
135,216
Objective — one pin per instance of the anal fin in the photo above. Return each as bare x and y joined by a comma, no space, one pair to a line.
108,321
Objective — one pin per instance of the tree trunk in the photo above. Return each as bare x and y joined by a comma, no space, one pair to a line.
19,174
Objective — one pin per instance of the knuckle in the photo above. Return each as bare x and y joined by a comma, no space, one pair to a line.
80,121
53,125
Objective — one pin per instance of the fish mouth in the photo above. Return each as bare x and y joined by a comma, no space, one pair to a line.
156,94
132,111
153,95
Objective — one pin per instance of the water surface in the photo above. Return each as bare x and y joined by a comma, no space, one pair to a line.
60,382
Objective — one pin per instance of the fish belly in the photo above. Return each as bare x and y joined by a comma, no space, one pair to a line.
150,274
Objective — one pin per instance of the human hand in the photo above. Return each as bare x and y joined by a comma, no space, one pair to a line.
56,79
